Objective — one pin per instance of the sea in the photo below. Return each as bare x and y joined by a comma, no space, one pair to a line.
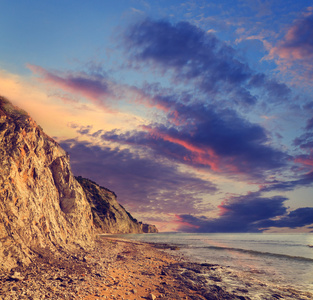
282,259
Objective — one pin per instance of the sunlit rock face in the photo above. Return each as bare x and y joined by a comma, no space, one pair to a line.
42,206
109,216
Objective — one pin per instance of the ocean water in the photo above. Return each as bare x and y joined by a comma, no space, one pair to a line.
282,259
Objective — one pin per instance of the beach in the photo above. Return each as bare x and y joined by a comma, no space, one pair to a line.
123,269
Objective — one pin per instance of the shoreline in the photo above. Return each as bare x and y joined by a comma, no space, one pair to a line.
123,269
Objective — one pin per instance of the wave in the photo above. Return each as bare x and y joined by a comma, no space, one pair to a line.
261,253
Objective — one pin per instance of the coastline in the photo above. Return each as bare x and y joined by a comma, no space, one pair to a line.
124,269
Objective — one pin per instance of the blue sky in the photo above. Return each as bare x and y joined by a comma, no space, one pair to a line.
199,115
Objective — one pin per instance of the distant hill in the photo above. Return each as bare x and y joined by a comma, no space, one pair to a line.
42,205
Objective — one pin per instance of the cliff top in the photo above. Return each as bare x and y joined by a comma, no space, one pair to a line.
20,117
10,110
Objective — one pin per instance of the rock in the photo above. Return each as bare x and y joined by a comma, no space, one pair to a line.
151,297
43,207
108,215
16,276
148,228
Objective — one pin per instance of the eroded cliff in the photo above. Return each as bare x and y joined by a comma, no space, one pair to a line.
108,215
42,206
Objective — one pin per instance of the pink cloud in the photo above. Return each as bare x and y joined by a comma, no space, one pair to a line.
99,89
204,156
293,54
222,209
306,160
182,223
95,88
142,98
298,41
199,155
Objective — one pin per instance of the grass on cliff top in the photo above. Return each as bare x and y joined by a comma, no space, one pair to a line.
9,109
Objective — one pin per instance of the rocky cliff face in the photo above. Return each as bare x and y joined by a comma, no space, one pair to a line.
42,206
108,215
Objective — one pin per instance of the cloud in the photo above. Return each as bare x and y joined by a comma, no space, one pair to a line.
309,125
192,56
217,139
297,218
142,184
96,87
193,128
238,214
297,43
94,84
305,143
306,160
293,54
249,213
305,180
187,48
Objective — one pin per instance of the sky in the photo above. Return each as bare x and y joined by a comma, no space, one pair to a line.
197,114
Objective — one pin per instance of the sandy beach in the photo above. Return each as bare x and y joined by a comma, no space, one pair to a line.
121,269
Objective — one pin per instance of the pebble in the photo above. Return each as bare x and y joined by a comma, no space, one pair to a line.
151,297
16,276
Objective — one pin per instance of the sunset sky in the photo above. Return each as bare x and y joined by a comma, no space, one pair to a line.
197,114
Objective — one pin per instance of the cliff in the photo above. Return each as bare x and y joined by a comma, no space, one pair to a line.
108,215
42,206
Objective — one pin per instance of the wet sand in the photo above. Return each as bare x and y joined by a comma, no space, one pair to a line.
121,269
